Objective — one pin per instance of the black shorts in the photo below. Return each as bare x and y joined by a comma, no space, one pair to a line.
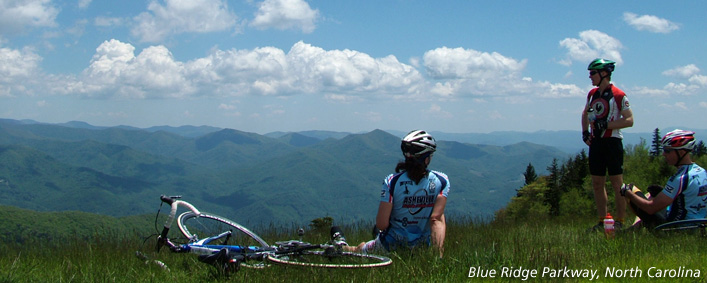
649,220
606,154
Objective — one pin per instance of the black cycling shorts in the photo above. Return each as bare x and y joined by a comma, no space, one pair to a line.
606,154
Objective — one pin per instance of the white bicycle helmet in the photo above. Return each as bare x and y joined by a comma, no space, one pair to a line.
418,144
679,139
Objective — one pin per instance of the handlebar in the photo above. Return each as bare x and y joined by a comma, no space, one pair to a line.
174,203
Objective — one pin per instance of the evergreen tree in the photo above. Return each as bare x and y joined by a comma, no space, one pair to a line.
553,193
573,172
530,175
656,145
700,149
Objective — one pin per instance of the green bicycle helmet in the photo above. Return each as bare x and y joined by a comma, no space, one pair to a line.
602,65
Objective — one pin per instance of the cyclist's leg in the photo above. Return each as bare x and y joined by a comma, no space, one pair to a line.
597,170
615,165
646,219
366,247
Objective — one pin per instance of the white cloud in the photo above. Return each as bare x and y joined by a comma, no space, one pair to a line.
683,72
115,70
341,76
681,88
698,80
646,91
437,111
83,4
459,63
286,14
18,70
224,106
463,72
650,23
16,15
592,44
175,17
108,21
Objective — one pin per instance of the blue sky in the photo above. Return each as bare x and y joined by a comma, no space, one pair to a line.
293,65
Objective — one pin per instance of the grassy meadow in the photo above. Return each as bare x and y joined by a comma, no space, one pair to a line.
528,251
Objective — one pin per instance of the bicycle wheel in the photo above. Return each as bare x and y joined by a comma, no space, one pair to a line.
196,227
328,260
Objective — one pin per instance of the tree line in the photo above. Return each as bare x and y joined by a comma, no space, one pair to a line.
566,190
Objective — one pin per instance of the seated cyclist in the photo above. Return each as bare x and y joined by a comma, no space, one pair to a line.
411,210
684,195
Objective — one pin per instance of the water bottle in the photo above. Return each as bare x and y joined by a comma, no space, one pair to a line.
591,116
609,226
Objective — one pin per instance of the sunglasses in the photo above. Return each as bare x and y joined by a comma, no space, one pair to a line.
593,73
668,150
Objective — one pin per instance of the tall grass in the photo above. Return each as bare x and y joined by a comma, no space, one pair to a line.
517,248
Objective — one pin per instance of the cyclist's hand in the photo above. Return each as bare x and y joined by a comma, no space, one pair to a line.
586,136
601,125
625,188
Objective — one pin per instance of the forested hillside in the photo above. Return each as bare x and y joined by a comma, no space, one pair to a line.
256,179
567,192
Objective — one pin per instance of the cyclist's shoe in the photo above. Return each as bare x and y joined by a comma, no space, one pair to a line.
332,252
595,228
337,237
618,225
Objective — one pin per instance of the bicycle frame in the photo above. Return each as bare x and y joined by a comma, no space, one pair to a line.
200,247
230,257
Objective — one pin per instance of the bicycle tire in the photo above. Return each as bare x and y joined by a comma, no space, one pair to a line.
322,259
682,225
210,225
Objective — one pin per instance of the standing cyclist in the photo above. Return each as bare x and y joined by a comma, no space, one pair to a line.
411,210
683,196
606,111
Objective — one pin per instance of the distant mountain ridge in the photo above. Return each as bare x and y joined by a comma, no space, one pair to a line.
283,177
565,140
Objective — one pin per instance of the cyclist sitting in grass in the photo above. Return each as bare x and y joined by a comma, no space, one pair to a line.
411,211
683,196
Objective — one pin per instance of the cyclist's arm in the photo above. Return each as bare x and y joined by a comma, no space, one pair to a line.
652,205
383,216
585,120
625,121
438,224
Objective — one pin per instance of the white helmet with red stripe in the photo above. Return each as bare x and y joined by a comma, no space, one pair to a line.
679,139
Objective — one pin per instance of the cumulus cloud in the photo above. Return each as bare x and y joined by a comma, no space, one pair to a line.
692,82
650,23
17,15
683,72
454,63
462,71
285,14
592,44
175,16
115,70
118,70
83,4
18,68
108,21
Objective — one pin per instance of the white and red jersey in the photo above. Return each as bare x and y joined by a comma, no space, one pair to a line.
608,105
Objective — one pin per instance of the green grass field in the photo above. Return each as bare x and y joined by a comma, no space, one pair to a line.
555,250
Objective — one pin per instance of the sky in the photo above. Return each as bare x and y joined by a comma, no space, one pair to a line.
349,66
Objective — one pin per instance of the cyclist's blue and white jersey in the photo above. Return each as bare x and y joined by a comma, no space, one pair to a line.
412,207
688,189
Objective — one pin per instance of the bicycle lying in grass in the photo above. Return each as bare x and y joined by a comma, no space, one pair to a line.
228,245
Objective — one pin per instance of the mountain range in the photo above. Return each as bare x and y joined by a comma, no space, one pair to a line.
278,177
